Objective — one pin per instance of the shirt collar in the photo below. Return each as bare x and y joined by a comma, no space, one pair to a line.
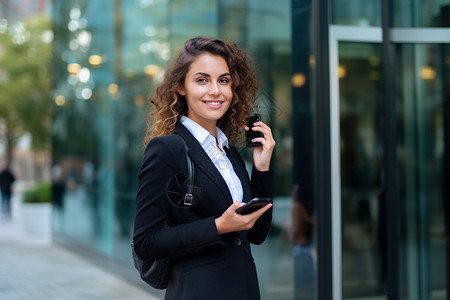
201,134
222,138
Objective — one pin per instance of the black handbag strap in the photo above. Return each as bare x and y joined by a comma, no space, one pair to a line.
189,197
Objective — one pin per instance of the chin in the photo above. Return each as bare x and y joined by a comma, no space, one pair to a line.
214,116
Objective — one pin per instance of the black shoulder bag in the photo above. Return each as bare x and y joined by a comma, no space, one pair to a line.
157,272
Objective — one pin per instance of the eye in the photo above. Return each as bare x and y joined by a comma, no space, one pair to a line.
224,81
201,80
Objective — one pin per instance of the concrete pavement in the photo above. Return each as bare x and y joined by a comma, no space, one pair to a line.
31,267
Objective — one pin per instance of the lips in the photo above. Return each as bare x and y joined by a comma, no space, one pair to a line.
213,104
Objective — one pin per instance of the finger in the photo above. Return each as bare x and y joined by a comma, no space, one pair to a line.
266,140
261,140
265,130
266,134
236,205
262,124
262,210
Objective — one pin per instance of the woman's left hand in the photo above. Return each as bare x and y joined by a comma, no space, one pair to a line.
262,154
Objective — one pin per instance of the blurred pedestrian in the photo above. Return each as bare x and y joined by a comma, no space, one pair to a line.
303,251
205,100
58,188
6,180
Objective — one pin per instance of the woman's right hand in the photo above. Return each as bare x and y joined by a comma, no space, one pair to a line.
230,221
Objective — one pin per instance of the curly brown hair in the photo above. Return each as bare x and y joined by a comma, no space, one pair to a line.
169,105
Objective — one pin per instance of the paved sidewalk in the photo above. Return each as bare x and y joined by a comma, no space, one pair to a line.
31,267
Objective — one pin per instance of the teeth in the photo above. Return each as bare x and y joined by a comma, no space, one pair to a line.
213,103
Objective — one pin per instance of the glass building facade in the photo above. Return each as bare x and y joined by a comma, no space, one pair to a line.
357,94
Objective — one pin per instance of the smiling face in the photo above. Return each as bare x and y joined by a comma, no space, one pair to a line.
207,89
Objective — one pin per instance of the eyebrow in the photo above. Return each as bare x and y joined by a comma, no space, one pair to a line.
207,75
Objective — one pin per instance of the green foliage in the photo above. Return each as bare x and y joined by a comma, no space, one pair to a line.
40,193
25,81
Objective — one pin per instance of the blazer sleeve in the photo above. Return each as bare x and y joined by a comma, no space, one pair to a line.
152,238
261,184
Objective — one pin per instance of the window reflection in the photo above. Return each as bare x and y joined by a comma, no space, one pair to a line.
304,252
422,154
356,13
415,13
362,202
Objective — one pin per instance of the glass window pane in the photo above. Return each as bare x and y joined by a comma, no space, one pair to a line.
418,13
363,238
82,126
191,18
356,12
422,89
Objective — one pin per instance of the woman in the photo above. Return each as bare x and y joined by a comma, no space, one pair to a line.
207,95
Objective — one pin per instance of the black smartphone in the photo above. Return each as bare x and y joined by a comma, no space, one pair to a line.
253,205
250,134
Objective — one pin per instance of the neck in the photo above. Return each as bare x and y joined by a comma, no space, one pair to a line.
209,125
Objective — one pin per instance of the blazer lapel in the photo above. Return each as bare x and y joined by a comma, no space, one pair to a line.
202,160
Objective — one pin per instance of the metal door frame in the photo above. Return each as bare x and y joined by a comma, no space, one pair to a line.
340,34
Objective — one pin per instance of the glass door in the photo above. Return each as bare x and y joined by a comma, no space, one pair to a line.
357,163
362,217
423,154
422,95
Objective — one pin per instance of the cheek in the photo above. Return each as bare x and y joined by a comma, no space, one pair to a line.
195,92
228,93
229,102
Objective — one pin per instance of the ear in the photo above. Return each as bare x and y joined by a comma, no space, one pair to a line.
181,91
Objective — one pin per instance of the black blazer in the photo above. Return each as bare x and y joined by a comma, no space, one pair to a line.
206,265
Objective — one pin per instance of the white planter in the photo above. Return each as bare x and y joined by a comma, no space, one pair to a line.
37,218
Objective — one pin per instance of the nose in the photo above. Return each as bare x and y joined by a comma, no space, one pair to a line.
214,88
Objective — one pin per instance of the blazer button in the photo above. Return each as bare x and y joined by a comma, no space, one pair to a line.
238,241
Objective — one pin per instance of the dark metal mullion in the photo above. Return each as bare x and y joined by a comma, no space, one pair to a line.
390,158
446,177
322,147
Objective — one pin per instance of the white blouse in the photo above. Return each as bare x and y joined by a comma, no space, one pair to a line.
218,157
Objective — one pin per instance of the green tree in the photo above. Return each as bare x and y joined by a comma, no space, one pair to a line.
25,82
